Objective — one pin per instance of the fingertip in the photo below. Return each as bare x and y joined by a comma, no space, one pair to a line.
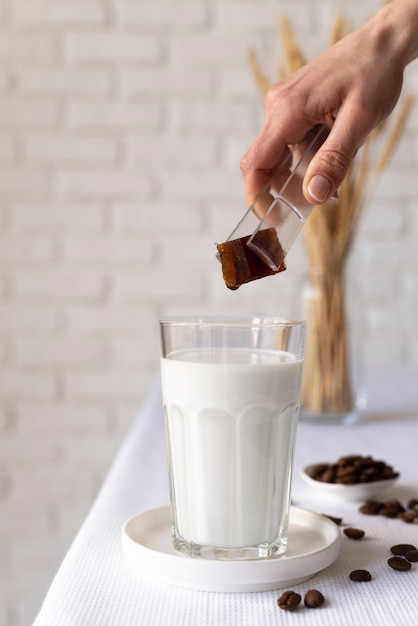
319,188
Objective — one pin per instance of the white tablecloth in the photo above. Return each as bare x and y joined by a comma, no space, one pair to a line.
97,585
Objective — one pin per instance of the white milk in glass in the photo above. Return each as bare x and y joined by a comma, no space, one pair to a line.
231,415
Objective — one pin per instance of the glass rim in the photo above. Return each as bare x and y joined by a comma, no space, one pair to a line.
233,321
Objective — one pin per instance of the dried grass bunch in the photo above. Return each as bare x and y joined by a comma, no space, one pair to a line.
329,235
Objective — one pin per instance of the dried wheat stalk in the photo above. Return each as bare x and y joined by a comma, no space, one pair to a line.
260,77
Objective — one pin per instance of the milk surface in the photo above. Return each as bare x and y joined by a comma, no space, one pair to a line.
231,416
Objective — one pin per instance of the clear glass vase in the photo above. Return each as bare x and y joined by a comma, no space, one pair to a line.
333,380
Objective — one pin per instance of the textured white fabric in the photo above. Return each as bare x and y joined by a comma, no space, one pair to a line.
97,585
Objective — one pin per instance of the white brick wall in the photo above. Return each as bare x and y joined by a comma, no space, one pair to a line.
122,124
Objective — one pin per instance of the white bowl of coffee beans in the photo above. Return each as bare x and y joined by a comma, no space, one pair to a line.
352,478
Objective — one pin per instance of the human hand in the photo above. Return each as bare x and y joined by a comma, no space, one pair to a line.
350,88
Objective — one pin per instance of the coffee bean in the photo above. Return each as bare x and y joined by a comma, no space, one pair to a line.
313,599
409,517
412,556
354,533
402,548
350,459
328,476
412,503
399,564
369,474
392,508
371,507
289,601
315,471
360,576
350,478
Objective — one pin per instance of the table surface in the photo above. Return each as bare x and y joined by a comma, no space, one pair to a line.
98,585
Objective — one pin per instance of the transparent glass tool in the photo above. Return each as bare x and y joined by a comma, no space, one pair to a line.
274,220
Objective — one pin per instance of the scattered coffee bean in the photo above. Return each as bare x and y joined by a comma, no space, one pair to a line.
336,520
408,517
412,503
289,601
313,599
399,564
412,556
392,508
354,533
360,576
371,507
402,548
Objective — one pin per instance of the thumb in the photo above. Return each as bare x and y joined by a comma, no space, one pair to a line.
329,166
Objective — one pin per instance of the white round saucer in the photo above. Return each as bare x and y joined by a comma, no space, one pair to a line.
313,544
350,493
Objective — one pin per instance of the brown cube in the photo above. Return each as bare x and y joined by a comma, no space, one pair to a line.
241,265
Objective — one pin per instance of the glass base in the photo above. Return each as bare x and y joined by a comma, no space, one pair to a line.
352,416
259,552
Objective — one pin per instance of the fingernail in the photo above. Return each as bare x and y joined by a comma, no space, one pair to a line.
319,188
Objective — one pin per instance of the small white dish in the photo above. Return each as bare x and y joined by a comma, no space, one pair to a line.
350,493
314,543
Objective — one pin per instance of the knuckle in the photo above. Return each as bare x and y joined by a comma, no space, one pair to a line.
277,95
336,160
245,164
271,95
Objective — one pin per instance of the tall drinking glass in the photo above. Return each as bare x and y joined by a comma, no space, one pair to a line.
231,395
